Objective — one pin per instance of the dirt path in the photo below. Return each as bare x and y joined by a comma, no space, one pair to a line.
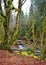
7,58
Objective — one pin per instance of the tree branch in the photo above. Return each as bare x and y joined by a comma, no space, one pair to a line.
17,27
23,1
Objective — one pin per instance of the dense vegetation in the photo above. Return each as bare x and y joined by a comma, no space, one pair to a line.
31,26
34,24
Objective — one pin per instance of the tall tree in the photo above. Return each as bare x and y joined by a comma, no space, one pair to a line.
8,7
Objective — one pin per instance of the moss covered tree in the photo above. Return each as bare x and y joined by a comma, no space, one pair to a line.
8,7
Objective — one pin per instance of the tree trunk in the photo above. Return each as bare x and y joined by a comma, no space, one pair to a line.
41,54
6,28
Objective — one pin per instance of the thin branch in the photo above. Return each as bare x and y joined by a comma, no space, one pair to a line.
16,9
23,1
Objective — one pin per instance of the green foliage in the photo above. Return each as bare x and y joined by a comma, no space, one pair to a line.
22,32
29,51
44,24
22,27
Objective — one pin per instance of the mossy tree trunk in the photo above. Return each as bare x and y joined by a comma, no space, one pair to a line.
43,39
8,8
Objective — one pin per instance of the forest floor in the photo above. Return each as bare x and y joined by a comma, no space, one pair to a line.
7,58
